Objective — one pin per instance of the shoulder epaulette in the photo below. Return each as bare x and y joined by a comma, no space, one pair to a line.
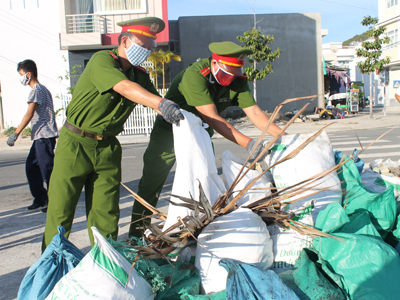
205,71
113,55
142,69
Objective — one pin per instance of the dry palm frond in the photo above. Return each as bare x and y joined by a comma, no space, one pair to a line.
270,208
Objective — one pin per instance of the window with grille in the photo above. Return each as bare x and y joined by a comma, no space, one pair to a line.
120,6
393,35
390,3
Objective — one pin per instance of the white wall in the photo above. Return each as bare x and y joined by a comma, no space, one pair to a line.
30,32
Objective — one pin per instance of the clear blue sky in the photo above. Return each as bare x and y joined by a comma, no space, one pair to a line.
341,17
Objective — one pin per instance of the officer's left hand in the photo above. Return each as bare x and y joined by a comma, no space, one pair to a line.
258,149
11,140
170,111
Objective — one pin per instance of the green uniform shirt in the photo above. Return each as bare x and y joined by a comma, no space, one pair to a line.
194,87
95,106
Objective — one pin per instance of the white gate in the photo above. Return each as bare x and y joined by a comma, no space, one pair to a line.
140,121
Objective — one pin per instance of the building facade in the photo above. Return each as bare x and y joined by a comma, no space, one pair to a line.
88,26
297,35
297,72
29,30
389,16
338,56
61,36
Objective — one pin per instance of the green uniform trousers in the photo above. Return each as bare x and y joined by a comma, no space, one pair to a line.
158,160
82,161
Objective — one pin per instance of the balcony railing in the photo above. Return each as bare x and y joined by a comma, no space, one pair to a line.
391,46
86,23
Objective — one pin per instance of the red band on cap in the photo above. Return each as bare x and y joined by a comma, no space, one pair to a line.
140,29
230,61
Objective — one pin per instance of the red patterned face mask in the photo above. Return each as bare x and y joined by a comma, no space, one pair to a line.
223,77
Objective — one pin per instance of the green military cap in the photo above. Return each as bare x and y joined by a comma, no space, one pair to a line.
229,53
149,26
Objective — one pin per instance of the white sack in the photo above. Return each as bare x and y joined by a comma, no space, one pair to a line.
315,158
240,235
195,163
231,166
288,244
102,275
378,182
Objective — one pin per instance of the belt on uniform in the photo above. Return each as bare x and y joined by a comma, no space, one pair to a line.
97,137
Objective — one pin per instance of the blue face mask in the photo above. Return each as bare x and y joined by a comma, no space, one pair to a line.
136,54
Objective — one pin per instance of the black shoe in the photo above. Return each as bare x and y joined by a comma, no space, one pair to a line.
34,206
44,209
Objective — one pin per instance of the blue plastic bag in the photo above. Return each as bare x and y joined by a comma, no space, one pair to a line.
357,161
246,281
58,259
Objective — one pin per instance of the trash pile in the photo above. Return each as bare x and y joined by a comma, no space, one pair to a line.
307,226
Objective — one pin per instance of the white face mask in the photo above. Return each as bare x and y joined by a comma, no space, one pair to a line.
136,54
24,79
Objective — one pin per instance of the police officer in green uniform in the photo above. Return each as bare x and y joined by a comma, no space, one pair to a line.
205,88
88,153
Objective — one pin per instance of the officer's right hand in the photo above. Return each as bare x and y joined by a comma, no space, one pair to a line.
11,140
258,149
170,111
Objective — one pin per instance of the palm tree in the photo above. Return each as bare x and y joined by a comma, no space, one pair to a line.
153,72
154,58
165,57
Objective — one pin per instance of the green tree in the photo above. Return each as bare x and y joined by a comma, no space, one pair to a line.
155,59
74,73
262,53
153,72
372,51
165,57
360,87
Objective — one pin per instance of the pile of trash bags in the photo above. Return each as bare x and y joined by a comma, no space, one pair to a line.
238,255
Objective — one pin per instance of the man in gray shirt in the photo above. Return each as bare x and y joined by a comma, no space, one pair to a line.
39,163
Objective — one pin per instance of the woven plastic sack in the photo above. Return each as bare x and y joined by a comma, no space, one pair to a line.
240,235
195,163
231,165
310,280
314,159
356,196
369,267
179,277
380,182
212,296
288,243
357,161
246,281
60,257
103,274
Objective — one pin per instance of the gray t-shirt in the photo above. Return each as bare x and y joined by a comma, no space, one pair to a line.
44,120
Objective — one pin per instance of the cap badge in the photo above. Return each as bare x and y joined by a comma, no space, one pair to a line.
154,27
241,57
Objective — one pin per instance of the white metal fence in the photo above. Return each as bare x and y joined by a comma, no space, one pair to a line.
88,23
140,121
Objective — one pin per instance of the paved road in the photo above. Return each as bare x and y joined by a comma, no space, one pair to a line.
21,230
